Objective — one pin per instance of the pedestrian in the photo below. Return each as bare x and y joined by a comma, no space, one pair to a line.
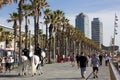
107,57
77,57
100,58
82,63
8,61
1,64
72,59
95,64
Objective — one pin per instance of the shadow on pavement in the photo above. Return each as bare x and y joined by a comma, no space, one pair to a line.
11,76
64,79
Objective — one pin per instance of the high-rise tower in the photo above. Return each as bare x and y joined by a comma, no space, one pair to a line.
82,23
97,31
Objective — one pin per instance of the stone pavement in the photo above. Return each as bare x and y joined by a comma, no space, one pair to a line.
59,71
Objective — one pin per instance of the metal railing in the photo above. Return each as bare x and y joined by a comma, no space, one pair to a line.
114,73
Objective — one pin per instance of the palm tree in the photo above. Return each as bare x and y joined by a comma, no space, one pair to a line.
1,30
5,2
14,18
27,13
37,6
7,36
57,27
65,23
20,8
47,21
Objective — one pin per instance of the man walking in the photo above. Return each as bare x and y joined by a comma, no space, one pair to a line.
82,63
100,58
95,64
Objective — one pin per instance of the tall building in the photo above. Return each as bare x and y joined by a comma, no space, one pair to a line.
97,31
82,23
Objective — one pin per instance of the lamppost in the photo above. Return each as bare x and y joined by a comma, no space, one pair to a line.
115,33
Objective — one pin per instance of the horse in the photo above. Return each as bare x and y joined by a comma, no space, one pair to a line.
34,64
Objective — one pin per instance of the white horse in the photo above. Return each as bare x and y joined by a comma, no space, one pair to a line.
34,64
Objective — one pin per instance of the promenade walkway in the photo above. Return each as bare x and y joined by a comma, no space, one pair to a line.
59,71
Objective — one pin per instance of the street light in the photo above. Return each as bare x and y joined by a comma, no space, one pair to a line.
115,32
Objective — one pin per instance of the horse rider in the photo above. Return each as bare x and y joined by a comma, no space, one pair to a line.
38,52
26,53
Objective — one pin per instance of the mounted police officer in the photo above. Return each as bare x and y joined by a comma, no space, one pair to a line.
26,53
38,52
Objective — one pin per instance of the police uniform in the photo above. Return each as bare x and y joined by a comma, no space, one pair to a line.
26,53
38,52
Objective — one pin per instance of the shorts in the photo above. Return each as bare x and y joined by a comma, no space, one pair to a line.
95,69
83,70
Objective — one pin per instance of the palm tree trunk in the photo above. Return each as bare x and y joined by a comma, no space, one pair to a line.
15,32
46,45
54,55
35,37
67,47
37,27
50,42
29,38
80,47
74,46
20,23
26,33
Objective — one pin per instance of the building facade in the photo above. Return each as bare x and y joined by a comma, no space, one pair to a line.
3,43
97,31
82,23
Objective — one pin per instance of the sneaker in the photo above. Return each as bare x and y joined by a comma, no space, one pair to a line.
96,76
83,77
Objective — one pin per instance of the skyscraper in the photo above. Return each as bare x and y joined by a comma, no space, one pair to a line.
82,23
97,31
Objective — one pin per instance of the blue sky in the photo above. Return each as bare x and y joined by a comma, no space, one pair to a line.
104,9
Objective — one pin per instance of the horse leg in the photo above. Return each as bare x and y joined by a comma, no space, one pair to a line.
26,66
33,66
40,69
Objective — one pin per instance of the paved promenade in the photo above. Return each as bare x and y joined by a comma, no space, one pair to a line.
59,71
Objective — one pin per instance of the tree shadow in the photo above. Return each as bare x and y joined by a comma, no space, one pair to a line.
64,79
9,76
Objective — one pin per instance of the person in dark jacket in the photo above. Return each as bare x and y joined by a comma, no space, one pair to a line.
38,52
26,53
100,58
82,63
77,57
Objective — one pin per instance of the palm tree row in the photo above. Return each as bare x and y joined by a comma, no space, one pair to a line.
63,38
